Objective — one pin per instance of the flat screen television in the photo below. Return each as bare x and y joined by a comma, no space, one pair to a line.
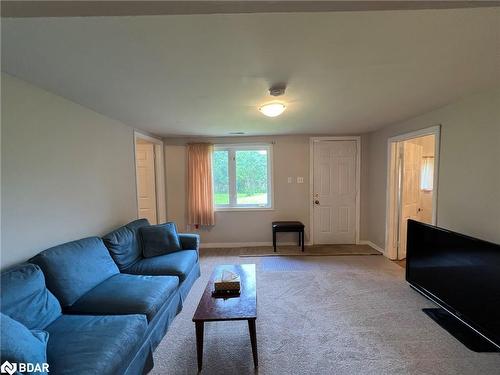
459,273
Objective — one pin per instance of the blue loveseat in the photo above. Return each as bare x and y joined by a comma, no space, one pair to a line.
105,307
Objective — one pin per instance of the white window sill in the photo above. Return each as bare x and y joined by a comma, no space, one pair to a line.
226,209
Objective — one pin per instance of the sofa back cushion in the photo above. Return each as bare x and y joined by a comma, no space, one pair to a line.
159,239
74,268
124,243
26,299
19,344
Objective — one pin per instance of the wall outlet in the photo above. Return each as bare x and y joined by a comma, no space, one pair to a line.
289,180
300,180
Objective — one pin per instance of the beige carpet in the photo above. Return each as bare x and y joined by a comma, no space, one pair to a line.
322,315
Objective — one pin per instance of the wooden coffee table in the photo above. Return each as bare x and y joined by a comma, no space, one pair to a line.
242,307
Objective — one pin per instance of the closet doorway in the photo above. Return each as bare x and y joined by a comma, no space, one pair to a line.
150,178
412,185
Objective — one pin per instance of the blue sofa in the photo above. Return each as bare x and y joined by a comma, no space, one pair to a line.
105,307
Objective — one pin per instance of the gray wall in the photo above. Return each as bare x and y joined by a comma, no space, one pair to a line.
291,201
469,169
67,172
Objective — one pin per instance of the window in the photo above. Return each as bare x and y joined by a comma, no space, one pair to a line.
427,174
242,176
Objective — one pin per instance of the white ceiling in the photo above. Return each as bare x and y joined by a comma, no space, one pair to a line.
347,72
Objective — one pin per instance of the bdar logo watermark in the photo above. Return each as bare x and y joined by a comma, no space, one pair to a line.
12,368
8,368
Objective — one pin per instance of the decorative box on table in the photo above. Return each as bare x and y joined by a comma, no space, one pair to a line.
227,282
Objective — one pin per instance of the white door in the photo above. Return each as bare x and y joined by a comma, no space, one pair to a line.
410,191
146,181
334,187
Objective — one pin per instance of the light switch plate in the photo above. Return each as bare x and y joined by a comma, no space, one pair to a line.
289,180
300,180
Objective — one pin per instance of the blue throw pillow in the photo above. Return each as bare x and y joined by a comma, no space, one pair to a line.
159,239
20,345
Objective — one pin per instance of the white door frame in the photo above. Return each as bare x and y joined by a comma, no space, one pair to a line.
392,203
314,140
161,209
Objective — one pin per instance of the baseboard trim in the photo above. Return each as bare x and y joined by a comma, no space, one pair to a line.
211,245
245,244
372,245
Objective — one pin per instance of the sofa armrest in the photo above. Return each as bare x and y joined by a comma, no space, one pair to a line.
189,241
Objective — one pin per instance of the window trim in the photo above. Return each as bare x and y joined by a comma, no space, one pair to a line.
232,148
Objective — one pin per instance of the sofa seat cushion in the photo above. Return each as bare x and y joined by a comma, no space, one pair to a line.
124,243
74,268
25,298
177,264
127,294
94,344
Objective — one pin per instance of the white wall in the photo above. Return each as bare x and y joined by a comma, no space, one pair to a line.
291,201
469,170
67,172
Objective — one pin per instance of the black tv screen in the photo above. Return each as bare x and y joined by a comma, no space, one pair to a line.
459,273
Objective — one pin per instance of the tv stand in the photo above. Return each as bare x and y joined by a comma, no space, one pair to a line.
467,336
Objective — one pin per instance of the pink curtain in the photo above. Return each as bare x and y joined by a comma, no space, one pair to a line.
200,192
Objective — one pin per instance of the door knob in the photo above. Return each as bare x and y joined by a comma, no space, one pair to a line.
316,201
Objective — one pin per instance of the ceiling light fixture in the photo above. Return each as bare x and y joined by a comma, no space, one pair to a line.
275,108
272,109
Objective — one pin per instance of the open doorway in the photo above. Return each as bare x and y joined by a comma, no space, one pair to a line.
150,178
412,185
